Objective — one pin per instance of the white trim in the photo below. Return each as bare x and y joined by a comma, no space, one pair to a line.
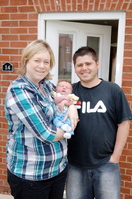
120,49
120,16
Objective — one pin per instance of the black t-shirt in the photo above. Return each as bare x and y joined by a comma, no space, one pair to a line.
101,109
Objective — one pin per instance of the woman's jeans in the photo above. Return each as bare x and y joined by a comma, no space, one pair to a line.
46,189
99,183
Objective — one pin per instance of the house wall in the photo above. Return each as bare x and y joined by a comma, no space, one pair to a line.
18,26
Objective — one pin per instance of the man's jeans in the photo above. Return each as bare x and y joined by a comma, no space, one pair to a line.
99,183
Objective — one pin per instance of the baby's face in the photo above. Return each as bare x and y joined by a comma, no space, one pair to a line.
64,88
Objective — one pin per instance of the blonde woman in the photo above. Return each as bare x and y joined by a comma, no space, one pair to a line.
36,149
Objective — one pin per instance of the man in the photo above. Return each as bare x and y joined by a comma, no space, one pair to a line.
101,133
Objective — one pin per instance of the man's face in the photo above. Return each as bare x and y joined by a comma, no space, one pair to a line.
86,69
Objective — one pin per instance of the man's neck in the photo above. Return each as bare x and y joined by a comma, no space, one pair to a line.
91,83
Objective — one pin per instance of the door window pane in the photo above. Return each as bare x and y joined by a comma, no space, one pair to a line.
93,42
65,56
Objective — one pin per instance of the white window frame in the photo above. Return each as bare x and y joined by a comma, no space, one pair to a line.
120,16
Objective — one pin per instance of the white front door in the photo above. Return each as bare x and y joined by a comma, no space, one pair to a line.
71,36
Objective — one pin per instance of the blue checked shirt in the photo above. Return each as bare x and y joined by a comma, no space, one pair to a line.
31,152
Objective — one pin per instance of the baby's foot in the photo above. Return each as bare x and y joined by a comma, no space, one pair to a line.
66,127
67,135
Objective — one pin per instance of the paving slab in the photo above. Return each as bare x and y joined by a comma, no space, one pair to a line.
4,196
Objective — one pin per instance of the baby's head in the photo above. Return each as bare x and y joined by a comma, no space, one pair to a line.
64,87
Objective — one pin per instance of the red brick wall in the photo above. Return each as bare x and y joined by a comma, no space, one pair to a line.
18,26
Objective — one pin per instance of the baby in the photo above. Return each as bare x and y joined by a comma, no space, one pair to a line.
63,98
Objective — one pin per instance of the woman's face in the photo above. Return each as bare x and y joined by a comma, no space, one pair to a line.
38,67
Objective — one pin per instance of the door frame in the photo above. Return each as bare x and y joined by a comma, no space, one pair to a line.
120,16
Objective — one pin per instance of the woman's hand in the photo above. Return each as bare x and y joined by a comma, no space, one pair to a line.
59,135
73,115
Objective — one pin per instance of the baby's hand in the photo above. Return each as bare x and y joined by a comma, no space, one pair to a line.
66,102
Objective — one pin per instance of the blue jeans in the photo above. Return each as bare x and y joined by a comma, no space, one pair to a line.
99,183
45,189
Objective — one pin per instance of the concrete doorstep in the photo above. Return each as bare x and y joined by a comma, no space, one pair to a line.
4,196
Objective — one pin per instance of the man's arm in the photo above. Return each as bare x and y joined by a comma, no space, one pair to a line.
121,138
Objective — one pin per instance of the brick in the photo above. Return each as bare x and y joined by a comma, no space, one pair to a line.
32,30
129,172
10,51
124,6
2,96
128,30
126,178
4,57
128,14
125,190
128,184
4,83
4,44
128,46
128,38
4,16
127,76
9,76
107,7
113,6
126,165
42,6
30,2
127,61
48,8
128,196
130,6
10,23
33,16
127,68
130,139
10,37
18,30
18,16
26,9
15,58
123,158
38,10
130,146
28,23
128,54
16,2
2,143
36,2
28,37
8,9
101,6
4,30
128,22
126,90
19,44
46,1
4,3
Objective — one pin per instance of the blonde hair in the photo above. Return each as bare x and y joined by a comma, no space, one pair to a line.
33,48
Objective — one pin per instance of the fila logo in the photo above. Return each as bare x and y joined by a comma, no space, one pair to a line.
99,107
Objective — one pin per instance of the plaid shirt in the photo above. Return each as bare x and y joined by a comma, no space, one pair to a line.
31,152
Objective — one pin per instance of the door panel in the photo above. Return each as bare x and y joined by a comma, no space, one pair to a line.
66,37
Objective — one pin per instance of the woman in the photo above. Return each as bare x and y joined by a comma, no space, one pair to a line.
36,149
